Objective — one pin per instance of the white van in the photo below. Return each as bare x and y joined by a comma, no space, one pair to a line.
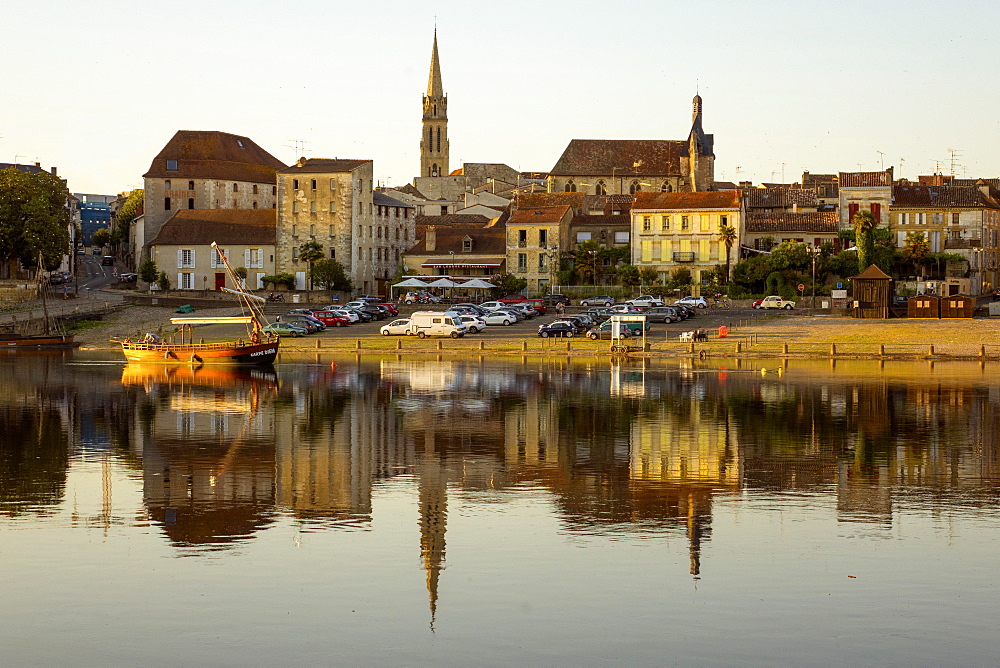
436,323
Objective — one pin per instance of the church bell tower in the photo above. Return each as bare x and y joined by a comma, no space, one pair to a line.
434,140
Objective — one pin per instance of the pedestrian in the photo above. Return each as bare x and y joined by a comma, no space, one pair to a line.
560,309
65,292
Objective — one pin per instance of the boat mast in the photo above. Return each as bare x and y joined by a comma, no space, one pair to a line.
251,302
41,292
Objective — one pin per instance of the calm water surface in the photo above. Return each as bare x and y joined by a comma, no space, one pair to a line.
491,512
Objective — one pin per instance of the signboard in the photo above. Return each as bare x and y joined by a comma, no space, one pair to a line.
801,287
840,285
838,294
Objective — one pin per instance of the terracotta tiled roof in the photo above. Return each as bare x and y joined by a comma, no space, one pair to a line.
200,227
214,155
723,199
485,240
725,185
866,179
940,197
540,215
822,223
620,220
600,157
872,272
453,219
380,199
778,198
324,166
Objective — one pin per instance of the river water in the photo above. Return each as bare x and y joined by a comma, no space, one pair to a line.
556,511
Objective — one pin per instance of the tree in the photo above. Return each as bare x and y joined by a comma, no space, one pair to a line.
586,258
130,208
33,218
311,252
915,249
628,275
163,280
507,284
101,237
864,224
728,236
330,275
648,276
148,271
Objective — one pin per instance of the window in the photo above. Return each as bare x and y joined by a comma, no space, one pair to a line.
444,211
723,221
647,223
331,206
685,224
254,189
570,186
295,253
582,236
621,237
522,262
666,187
185,258
191,203
333,253
634,187
312,207
295,207
274,190
166,204
664,223
313,184
330,232
522,238
295,230
295,184
543,236
166,184
185,281
954,218
312,230
236,187
601,189
542,266
359,208
466,243
190,185
171,165
255,205
253,258
333,184
217,254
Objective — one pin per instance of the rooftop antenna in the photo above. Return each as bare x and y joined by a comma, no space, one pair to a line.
902,161
953,159
881,159
299,145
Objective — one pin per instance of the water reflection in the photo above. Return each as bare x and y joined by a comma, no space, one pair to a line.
640,450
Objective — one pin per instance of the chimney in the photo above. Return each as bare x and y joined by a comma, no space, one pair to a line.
430,238
54,173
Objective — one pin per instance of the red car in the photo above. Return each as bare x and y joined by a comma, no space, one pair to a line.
513,299
331,319
391,308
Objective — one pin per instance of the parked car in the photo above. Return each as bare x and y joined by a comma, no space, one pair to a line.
332,318
685,312
625,309
775,301
538,305
97,251
579,326
492,306
599,314
390,307
474,323
598,300
498,317
474,308
756,304
351,316
128,278
284,329
697,302
663,314
632,328
526,308
603,331
558,328
513,299
436,323
420,297
554,299
646,301
107,261
306,322
399,327
81,252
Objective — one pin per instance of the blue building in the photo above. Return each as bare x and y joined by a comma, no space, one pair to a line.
95,213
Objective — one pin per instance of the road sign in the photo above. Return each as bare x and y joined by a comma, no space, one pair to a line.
801,287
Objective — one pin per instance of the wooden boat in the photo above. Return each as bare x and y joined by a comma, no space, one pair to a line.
13,340
258,348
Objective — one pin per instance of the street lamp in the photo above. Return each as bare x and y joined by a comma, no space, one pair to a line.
815,252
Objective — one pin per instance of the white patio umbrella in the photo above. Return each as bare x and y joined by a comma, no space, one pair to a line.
442,283
478,283
410,283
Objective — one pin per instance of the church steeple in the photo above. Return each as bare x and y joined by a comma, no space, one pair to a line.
434,138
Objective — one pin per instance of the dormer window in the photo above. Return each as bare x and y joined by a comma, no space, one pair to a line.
467,245
171,165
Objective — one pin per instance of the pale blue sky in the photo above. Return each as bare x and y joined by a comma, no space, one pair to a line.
97,88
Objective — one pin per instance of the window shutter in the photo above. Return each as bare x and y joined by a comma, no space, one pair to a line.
260,280
180,258
215,259
193,263
647,250
877,212
180,277
851,210
246,258
260,257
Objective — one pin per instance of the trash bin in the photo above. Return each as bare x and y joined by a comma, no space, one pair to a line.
295,299
723,331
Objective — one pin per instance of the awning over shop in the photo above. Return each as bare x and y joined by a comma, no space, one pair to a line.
465,263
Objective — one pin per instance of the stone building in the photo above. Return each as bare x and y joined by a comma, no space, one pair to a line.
183,247
533,243
763,231
964,220
671,231
206,170
330,202
858,191
434,138
618,166
457,245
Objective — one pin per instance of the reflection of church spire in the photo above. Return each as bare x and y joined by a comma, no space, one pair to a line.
433,522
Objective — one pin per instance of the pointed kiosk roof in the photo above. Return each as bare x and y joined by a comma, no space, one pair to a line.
434,86
872,272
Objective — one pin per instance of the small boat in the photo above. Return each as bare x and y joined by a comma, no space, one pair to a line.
13,340
258,348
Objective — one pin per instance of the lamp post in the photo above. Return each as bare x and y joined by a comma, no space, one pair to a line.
815,252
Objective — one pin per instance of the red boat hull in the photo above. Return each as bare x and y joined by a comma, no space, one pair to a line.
232,353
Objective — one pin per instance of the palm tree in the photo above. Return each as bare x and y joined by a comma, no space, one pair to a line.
864,226
727,235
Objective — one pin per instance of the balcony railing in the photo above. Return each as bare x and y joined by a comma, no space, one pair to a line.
957,244
683,257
